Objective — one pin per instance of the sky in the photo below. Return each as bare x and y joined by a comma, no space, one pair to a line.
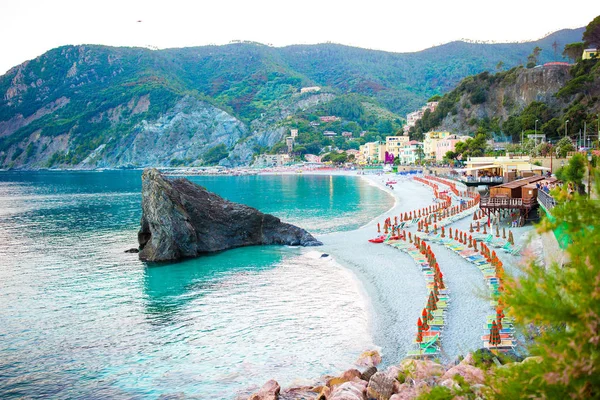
28,28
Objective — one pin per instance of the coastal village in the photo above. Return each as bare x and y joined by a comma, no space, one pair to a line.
302,221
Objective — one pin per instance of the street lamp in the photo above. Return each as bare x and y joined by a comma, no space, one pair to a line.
535,136
589,188
566,122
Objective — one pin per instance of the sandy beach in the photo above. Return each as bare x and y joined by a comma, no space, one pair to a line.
395,287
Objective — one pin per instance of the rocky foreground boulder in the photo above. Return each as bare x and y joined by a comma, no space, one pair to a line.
181,219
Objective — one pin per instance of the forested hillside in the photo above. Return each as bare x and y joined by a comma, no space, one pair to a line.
98,106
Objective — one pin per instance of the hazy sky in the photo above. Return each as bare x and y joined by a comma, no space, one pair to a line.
28,28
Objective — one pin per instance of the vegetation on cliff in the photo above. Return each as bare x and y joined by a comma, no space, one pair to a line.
493,103
77,102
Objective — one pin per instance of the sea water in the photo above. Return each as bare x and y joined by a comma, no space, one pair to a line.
81,318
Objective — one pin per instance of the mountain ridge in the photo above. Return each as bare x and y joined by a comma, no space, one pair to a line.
86,95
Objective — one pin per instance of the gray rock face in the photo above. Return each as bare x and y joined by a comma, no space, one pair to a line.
181,219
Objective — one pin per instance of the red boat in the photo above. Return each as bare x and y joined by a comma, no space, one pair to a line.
378,239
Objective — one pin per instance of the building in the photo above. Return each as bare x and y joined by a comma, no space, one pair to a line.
447,144
294,133
315,123
330,118
329,133
271,160
413,117
355,153
312,158
588,54
430,143
289,141
409,153
492,171
393,144
310,89
371,153
347,134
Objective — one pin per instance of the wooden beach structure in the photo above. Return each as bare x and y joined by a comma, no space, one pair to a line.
519,195
494,171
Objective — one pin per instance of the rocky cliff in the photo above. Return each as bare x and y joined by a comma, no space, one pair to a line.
181,219
507,95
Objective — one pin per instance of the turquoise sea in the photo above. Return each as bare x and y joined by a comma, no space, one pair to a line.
79,318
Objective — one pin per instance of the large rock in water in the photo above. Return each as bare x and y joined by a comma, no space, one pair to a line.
181,219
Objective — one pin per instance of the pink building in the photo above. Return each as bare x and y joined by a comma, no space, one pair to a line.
447,144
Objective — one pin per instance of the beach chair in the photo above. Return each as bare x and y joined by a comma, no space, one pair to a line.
516,250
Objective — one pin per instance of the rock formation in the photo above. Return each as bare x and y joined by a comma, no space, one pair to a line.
181,219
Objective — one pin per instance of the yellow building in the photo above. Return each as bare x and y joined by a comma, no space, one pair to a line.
371,152
588,54
395,144
430,143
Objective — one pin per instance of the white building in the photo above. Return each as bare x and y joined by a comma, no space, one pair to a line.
294,133
409,154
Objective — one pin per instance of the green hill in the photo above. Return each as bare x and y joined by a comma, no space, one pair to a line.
94,106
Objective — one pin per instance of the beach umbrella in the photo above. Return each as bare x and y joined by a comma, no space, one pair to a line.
424,320
443,233
484,231
410,237
475,216
394,230
503,233
471,227
477,229
378,227
499,323
470,241
511,239
450,232
441,279
426,228
419,331
395,220
474,244
385,229
405,216
435,229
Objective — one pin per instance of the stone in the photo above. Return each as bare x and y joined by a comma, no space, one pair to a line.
181,219
368,373
354,390
381,386
369,358
470,373
406,392
351,374
269,391
421,369
468,359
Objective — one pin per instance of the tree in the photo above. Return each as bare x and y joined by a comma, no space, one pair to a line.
574,51
562,303
591,36
532,59
215,154
574,171
564,146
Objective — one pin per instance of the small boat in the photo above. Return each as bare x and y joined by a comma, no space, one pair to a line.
391,182
378,239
